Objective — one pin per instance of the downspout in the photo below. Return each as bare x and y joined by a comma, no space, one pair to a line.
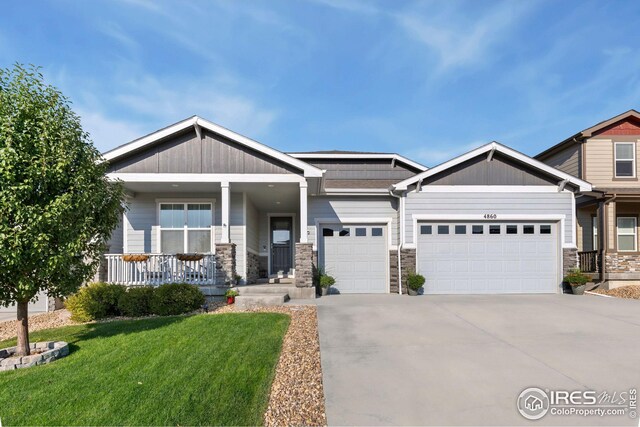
400,237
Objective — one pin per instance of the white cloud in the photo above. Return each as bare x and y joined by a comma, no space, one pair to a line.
117,33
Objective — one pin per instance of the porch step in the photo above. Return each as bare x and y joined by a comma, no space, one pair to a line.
258,300
263,289
277,280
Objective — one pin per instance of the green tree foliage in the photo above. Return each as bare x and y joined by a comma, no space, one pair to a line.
57,209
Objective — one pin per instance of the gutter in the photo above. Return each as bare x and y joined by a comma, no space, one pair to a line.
400,237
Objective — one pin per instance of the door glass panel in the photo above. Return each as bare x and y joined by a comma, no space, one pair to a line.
344,232
280,237
199,241
425,229
443,229
545,229
171,215
172,241
327,232
477,229
376,231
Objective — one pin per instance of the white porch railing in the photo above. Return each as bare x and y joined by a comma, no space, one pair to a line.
157,269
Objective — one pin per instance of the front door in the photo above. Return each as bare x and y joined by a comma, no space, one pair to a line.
281,244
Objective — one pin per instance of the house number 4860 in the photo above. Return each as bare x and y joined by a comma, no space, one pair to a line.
490,216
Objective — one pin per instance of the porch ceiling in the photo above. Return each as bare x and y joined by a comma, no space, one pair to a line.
275,197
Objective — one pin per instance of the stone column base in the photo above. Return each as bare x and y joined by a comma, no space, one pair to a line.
304,265
569,260
225,263
408,264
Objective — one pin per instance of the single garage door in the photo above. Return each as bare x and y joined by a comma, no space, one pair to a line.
488,258
356,256
36,307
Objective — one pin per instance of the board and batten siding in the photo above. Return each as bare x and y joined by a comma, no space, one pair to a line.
142,221
599,167
252,219
340,209
567,160
187,153
513,203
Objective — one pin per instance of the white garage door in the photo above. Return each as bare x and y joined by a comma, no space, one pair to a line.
356,256
489,258
36,307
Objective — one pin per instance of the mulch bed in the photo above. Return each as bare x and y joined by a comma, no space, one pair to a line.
37,322
630,291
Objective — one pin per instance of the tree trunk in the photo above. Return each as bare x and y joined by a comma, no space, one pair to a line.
22,348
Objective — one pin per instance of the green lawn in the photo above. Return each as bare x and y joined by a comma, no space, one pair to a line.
197,370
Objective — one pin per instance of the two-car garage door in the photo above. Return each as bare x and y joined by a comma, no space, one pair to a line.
356,255
478,258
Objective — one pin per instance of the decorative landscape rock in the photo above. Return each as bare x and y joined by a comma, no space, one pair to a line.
44,352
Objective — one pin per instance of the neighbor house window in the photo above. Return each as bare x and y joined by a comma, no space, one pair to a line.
625,159
185,227
594,227
626,233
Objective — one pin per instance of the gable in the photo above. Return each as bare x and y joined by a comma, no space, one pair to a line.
628,126
501,170
186,152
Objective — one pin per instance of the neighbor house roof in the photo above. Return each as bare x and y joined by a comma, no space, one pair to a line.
339,154
497,147
198,124
588,132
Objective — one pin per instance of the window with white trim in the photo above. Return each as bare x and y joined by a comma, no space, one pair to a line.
594,237
625,159
626,232
185,227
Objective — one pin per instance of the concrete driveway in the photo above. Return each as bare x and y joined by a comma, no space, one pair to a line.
463,360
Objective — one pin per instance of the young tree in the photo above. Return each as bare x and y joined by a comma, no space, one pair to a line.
57,208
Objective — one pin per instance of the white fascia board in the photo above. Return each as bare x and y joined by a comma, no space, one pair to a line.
357,190
204,177
309,170
583,185
396,157
491,189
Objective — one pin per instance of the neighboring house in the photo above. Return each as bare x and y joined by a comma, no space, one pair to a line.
206,204
606,155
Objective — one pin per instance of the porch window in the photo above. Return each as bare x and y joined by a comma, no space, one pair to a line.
185,227
626,227
625,155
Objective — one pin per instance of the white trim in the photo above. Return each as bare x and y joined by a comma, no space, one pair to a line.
309,170
225,213
632,159
583,185
635,233
125,232
388,222
303,213
205,177
356,190
293,238
491,189
391,156
244,236
500,218
574,220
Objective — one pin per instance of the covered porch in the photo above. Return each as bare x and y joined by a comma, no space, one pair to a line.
211,231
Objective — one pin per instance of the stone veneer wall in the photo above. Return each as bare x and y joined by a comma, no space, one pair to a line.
253,267
226,261
408,260
304,265
393,271
622,263
569,260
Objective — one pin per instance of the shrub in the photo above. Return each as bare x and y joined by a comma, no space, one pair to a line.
178,298
576,278
95,301
415,281
327,281
136,302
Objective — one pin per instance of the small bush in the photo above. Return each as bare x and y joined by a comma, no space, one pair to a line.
415,281
327,281
95,301
136,302
178,298
576,278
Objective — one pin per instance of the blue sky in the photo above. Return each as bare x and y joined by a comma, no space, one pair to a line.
426,79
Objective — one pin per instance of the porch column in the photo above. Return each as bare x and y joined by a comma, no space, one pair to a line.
224,187
303,212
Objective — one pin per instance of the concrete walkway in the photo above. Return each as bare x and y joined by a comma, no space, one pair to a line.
463,360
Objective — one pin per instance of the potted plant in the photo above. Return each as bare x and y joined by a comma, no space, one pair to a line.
326,282
231,295
577,280
414,283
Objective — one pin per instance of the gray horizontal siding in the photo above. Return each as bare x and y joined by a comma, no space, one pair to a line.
186,153
336,208
567,160
481,203
114,244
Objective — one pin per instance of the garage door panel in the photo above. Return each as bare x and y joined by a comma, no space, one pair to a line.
359,261
508,262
